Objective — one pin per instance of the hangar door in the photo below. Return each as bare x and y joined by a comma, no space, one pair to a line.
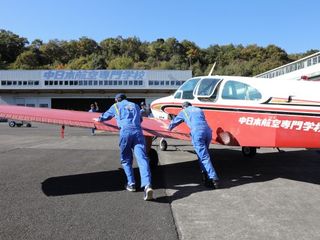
83,104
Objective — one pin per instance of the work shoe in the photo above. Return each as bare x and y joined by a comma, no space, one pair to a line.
204,177
213,184
131,187
148,193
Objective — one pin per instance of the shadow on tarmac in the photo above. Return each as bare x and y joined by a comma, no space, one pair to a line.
233,169
84,183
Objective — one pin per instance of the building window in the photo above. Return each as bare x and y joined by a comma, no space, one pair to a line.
66,82
43,105
140,83
314,60
309,62
60,82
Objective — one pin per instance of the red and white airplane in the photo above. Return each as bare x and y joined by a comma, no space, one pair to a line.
242,111
252,112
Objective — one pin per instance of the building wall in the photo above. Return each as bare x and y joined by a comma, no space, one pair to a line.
42,88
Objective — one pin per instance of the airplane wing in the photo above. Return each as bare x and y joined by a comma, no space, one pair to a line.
150,126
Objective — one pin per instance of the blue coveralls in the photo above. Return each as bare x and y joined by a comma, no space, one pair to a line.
201,135
129,120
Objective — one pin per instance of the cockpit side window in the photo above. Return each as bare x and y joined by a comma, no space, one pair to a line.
206,86
239,91
186,90
207,89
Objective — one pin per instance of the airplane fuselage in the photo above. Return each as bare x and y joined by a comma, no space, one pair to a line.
251,111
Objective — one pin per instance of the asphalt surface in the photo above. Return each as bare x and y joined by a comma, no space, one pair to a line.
72,188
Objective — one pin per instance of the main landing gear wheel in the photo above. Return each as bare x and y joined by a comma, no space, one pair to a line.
163,144
153,157
12,124
249,151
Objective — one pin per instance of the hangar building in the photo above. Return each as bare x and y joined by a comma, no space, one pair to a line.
77,89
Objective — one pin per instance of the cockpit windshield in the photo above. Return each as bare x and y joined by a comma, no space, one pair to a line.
186,90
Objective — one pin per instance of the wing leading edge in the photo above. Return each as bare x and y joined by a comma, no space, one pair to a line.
150,126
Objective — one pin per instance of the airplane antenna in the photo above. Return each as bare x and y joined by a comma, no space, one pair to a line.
210,73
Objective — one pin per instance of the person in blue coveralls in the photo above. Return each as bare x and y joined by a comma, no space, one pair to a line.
201,135
129,120
93,108
145,111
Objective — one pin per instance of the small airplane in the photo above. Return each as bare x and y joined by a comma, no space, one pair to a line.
242,111
251,112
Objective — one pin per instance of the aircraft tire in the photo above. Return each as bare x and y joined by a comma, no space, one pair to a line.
249,151
153,157
163,145
12,124
28,125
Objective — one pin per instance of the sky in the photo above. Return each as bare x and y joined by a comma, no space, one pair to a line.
292,25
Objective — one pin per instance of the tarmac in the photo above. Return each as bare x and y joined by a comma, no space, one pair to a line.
274,195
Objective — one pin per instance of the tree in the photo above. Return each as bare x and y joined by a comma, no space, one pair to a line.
87,46
157,50
110,47
92,61
11,45
27,60
192,51
98,62
82,62
121,63
130,47
54,52
36,44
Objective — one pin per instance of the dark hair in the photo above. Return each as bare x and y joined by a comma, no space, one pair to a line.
186,104
120,96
